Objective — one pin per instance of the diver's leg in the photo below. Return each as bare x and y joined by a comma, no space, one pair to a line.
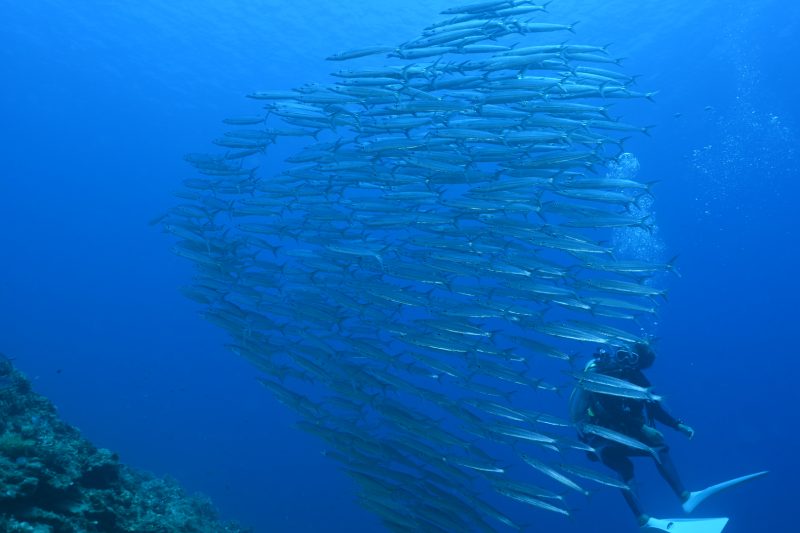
617,459
665,466
668,471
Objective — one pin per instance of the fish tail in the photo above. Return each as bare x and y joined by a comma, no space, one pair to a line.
671,266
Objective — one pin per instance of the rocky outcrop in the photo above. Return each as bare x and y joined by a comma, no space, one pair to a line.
52,480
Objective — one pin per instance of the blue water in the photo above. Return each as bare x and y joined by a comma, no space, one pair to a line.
99,101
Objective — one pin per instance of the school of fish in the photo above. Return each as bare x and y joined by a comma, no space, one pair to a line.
418,279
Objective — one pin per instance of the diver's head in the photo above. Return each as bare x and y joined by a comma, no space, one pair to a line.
646,355
636,357
640,356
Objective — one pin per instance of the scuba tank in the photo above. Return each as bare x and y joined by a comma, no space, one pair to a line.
580,399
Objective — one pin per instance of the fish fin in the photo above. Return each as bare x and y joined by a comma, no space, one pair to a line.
649,184
643,224
573,358
671,266
508,395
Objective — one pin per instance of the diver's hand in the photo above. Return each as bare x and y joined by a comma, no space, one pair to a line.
686,430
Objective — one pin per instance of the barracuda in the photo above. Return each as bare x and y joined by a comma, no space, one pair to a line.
553,473
361,52
519,433
626,287
530,500
591,475
613,386
409,278
619,438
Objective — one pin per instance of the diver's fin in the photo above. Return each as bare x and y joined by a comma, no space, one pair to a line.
678,525
696,498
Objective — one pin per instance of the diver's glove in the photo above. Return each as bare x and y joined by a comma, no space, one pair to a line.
686,430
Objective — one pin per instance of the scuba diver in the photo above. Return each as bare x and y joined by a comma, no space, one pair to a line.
630,416
615,412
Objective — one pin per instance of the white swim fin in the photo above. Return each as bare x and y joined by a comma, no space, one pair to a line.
680,525
698,497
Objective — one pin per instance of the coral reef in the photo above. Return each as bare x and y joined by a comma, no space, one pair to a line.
52,480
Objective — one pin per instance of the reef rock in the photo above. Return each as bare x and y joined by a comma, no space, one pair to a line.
53,480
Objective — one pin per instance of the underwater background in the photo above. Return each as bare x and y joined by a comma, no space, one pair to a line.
100,100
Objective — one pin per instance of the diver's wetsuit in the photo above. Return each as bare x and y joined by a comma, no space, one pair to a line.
634,418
